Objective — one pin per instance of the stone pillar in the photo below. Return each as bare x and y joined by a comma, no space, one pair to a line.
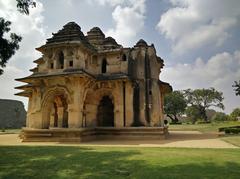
55,64
91,115
60,116
28,119
75,110
155,108
118,106
129,104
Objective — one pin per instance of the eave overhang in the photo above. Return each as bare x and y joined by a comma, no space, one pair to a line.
165,87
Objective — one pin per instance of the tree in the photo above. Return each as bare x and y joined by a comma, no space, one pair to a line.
8,47
174,104
237,87
23,5
235,113
210,113
220,116
192,113
203,99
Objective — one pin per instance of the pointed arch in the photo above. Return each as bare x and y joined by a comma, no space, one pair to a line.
55,107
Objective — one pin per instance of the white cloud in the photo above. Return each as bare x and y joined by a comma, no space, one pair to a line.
192,24
129,21
219,72
30,27
107,2
8,83
128,17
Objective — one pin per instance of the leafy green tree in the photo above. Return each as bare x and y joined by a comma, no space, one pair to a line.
192,113
23,5
174,105
237,87
8,46
203,99
235,113
220,116
210,113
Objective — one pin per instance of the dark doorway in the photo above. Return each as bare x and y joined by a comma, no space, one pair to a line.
105,115
60,111
104,66
61,60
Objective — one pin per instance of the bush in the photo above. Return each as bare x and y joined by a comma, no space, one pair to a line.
221,129
220,116
203,122
235,113
175,123
230,130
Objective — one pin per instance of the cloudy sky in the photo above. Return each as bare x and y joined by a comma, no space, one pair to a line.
198,39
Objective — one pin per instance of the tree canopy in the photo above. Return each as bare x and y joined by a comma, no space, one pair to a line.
174,104
235,113
8,46
237,87
203,99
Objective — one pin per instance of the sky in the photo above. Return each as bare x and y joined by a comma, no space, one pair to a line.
199,40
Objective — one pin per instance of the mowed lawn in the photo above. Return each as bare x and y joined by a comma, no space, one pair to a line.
210,127
114,162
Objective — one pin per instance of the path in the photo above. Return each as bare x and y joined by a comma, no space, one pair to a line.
190,139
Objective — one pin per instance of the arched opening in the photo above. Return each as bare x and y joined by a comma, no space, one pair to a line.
56,112
105,115
60,60
104,66
124,57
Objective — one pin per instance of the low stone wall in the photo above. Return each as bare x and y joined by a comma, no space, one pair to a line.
89,134
12,114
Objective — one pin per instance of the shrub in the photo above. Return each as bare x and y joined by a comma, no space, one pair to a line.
221,129
203,122
175,123
230,130
220,116
235,113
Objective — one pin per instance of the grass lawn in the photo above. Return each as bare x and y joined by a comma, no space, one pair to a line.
10,131
235,140
211,127
106,162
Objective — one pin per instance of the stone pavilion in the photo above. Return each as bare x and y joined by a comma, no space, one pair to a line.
89,86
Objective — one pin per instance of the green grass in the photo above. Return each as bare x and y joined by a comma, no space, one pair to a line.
235,140
10,131
106,162
211,127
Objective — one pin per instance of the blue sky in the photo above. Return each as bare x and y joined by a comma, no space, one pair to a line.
198,39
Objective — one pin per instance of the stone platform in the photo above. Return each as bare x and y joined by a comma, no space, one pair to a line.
89,134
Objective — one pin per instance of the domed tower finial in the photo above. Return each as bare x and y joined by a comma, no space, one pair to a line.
141,43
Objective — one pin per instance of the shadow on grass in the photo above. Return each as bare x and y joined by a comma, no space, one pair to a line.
75,162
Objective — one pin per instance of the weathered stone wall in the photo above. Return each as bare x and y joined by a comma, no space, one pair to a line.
12,114
82,70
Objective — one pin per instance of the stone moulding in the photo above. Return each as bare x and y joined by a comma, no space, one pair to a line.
90,134
87,86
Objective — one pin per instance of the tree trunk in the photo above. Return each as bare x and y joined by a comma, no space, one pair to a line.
203,114
174,119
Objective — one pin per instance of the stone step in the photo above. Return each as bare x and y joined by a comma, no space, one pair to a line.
87,134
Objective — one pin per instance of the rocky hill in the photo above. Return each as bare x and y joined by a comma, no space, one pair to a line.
12,114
